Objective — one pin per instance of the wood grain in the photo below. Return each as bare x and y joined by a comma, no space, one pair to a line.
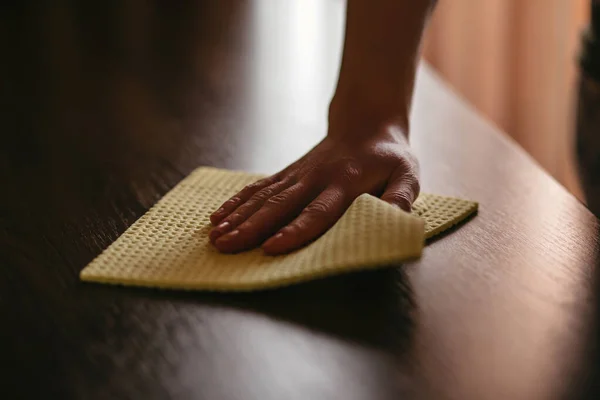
105,107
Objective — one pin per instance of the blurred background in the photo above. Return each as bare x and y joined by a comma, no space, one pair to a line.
515,61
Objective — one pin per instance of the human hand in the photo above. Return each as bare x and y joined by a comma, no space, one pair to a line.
297,205
366,149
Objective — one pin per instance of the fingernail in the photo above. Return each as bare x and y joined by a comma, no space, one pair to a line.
217,216
223,226
273,239
219,231
229,236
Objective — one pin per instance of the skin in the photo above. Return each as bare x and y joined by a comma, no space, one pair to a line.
366,149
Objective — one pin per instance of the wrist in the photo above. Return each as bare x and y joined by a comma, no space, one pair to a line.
362,115
380,95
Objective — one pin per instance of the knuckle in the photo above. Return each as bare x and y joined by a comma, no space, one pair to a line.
246,227
397,197
350,171
293,179
245,210
297,227
413,160
263,194
408,162
401,199
412,181
317,207
254,186
278,199
285,196
235,218
405,164
259,184
232,201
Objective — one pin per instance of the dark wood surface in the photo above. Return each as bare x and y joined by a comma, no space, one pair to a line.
106,105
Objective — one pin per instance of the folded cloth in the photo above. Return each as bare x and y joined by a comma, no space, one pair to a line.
168,247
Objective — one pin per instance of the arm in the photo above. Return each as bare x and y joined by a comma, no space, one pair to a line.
366,148
381,53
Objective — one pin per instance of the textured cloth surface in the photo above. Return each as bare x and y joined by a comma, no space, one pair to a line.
168,247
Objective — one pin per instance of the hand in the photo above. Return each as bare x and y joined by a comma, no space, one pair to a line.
365,151
303,201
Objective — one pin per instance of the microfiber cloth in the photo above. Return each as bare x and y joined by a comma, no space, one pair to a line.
168,247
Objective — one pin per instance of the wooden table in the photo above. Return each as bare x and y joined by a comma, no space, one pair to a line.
106,105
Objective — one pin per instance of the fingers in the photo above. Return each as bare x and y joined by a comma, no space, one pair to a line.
402,190
246,193
275,212
320,215
245,210
268,206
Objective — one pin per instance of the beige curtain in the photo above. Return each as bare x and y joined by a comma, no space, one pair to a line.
515,60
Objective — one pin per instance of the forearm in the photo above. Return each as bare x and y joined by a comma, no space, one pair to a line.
381,53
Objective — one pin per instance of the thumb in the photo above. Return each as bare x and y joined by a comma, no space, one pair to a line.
402,190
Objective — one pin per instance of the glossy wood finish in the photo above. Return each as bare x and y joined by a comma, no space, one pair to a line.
106,107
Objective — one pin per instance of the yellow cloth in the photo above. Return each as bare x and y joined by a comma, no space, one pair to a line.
168,247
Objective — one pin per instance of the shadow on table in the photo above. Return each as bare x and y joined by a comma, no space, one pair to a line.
372,308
